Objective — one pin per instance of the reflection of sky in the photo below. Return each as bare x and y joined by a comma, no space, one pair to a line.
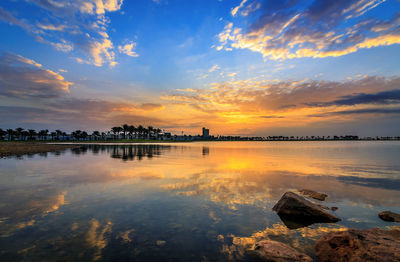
127,193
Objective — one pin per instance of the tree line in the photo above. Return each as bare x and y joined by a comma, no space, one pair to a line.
117,132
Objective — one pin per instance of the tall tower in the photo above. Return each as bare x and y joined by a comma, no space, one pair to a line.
206,132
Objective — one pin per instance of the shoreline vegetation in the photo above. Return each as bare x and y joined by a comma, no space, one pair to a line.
131,134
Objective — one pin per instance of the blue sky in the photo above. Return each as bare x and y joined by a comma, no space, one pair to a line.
245,67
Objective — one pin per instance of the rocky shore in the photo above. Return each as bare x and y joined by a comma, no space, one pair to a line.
296,211
356,245
389,216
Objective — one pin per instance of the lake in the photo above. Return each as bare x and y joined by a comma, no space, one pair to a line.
203,201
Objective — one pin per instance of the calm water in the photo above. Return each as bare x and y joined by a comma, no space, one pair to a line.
185,202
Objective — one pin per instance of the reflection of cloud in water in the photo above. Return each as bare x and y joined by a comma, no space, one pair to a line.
126,236
96,237
370,170
385,183
253,187
302,239
102,173
24,207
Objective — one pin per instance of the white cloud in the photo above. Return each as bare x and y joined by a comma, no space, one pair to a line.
101,51
213,68
107,5
63,46
236,9
86,33
51,27
128,49
10,58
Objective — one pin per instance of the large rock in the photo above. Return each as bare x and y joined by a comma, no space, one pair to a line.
296,211
273,251
359,245
389,216
313,194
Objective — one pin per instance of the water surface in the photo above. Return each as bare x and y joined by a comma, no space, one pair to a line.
185,202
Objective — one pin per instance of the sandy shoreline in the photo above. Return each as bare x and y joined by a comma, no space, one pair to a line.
26,148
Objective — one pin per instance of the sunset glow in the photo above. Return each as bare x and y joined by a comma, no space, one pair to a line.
251,67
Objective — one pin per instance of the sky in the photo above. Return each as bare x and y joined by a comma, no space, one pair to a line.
239,67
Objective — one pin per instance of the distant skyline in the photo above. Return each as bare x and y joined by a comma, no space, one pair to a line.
246,67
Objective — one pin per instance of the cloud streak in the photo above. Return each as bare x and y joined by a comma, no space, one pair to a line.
21,77
385,97
368,111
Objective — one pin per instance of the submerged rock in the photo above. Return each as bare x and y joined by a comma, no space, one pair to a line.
313,194
296,211
359,245
389,216
273,251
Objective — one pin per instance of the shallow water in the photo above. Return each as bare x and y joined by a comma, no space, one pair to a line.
185,202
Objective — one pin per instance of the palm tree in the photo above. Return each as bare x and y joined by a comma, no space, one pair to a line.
63,135
31,133
40,135
10,134
84,134
53,134
43,133
96,134
125,128
116,130
131,130
150,130
2,134
18,132
119,130
24,134
58,134
140,130
77,134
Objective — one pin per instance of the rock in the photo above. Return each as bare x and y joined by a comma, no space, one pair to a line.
296,211
313,194
334,208
389,216
359,245
273,251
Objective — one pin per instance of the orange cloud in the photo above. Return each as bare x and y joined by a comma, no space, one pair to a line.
263,103
280,34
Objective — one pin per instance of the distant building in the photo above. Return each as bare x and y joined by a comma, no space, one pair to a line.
206,132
